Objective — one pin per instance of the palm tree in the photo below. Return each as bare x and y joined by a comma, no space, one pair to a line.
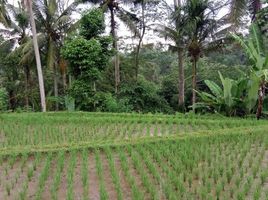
178,4
175,32
201,24
28,5
54,22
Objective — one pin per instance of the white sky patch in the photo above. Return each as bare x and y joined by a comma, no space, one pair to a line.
126,39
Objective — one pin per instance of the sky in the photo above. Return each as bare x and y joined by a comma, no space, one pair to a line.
123,33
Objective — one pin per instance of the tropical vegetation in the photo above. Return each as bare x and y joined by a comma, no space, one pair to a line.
133,99
84,64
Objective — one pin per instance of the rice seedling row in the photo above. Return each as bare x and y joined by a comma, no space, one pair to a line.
161,165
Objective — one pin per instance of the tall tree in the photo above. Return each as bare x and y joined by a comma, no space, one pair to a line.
88,55
54,22
177,4
175,32
129,19
28,5
201,24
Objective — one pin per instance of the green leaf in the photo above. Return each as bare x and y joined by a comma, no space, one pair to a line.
253,88
214,88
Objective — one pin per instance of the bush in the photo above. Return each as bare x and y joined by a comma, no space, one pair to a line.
3,99
143,96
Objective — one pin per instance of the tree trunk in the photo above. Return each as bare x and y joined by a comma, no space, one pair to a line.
194,84
261,95
181,80
12,100
115,45
140,41
64,81
27,83
177,5
117,70
56,88
37,56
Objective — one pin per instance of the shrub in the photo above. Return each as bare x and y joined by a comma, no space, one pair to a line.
3,99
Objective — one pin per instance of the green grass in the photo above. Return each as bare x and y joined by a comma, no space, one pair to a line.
156,156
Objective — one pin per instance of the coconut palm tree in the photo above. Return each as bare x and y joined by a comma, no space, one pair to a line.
201,25
175,32
54,22
28,5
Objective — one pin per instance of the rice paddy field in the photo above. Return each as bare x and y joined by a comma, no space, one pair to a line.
132,156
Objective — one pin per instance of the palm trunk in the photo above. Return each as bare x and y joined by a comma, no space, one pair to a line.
194,84
27,83
64,81
63,70
117,70
261,95
140,41
56,88
12,100
181,80
177,4
37,56
115,45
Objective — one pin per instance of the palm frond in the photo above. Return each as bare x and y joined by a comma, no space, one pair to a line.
7,45
130,20
169,33
73,27
238,9
27,49
4,15
40,13
71,8
255,7
52,7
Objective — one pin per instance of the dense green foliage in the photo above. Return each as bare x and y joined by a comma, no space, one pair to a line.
80,60
3,99
88,56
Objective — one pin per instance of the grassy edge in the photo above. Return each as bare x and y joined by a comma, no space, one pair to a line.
133,141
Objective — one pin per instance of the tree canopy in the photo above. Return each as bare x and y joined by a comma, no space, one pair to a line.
103,56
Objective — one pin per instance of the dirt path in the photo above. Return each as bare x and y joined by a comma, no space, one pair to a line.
109,185
21,179
63,183
126,188
93,178
47,194
33,183
78,187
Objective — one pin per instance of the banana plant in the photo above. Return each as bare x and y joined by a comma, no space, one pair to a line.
255,50
225,98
